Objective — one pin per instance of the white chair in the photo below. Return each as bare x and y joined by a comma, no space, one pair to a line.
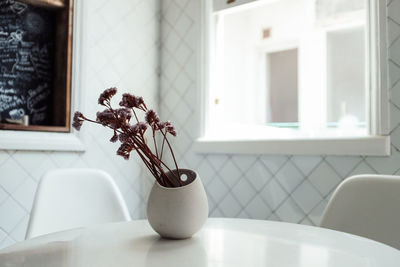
71,198
368,206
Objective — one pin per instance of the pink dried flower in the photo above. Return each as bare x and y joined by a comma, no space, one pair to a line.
107,95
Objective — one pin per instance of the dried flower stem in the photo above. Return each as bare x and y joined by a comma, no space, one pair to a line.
172,152
132,136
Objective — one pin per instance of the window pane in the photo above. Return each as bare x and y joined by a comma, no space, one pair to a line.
283,86
346,76
295,64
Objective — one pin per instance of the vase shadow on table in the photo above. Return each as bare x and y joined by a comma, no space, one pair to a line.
177,253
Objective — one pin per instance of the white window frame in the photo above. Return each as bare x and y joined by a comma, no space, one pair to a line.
52,141
377,143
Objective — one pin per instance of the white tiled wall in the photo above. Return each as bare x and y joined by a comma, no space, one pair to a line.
120,48
287,188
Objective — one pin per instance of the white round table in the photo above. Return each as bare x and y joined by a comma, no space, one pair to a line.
222,242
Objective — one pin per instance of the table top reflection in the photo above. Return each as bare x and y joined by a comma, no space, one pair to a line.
221,242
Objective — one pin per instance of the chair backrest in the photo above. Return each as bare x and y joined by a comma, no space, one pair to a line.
71,198
368,206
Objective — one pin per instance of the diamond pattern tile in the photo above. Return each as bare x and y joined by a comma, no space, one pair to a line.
3,156
394,73
18,233
11,213
289,177
258,175
343,165
273,194
3,195
362,168
393,10
217,160
306,163
32,162
244,162
244,192
3,235
273,163
290,211
385,165
257,209
229,206
316,213
394,51
307,221
111,56
230,173
324,178
206,171
395,94
12,175
25,194
394,30
217,189
396,137
306,196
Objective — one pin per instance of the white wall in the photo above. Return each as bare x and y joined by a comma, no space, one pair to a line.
120,48
288,188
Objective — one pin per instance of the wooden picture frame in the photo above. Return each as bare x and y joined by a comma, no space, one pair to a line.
61,88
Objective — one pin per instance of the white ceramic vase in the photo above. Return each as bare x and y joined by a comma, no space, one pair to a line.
179,212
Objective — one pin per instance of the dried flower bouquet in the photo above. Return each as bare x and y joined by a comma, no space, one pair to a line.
132,135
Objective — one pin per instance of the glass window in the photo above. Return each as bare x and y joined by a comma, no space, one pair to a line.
290,67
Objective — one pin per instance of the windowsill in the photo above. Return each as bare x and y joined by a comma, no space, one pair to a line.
365,146
42,141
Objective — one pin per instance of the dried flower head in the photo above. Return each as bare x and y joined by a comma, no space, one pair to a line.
160,125
114,138
170,128
123,138
124,114
77,120
124,150
131,101
106,117
152,117
107,95
134,129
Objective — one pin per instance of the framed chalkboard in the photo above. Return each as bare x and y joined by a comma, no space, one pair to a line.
35,64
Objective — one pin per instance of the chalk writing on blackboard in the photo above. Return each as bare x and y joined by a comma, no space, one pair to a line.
27,46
